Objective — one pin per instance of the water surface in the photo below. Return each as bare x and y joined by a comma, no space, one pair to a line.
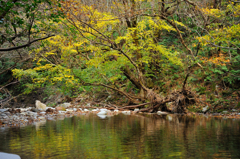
125,136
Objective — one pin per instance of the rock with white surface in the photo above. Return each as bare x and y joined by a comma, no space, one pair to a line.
102,112
204,109
40,106
126,112
162,113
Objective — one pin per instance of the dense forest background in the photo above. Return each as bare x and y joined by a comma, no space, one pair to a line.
156,54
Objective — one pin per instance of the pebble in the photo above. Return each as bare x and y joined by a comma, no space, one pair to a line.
50,118
3,110
126,112
136,109
42,113
23,113
224,112
5,117
7,113
69,110
27,116
94,110
162,113
23,110
41,118
3,114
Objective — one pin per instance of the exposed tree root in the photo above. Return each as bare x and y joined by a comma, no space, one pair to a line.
179,102
180,99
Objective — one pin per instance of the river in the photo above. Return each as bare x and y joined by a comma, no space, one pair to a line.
125,136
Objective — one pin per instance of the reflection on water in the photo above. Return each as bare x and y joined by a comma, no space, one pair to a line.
125,136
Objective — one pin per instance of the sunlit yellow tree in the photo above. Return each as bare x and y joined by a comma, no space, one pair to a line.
108,49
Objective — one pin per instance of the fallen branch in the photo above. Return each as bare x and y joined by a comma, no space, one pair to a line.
149,109
135,106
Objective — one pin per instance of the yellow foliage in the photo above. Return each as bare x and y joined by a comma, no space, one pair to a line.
225,34
213,12
220,59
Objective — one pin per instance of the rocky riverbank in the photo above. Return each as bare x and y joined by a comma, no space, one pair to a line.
10,117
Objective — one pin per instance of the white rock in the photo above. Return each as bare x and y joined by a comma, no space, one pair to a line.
32,113
86,110
41,118
7,113
15,117
74,109
126,112
162,113
116,110
23,109
102,112
3,110
94,110
136,109
5,117
3,114
69,110
40,105
204,109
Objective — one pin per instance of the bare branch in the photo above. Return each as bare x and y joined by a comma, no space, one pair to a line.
25,45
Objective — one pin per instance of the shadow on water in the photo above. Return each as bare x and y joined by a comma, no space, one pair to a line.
125,136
